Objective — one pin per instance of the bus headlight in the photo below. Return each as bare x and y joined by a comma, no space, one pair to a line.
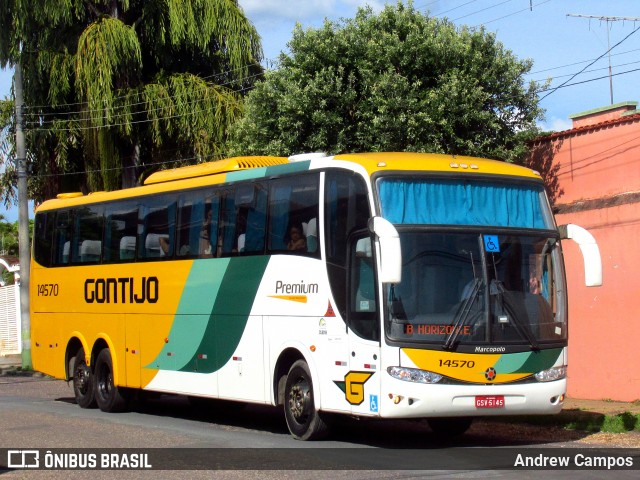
552,374
414,375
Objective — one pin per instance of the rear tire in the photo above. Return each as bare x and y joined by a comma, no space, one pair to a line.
83,381
303,420
109,397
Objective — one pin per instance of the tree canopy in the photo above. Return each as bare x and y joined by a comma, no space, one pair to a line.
116,88
391,81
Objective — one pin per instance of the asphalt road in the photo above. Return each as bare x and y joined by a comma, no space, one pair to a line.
40,413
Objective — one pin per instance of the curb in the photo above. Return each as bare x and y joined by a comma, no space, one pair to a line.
17,371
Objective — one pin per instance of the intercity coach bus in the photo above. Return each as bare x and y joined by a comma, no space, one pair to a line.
391,285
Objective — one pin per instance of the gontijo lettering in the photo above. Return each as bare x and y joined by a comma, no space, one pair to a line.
121,290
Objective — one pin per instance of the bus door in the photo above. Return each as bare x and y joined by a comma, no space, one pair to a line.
363,380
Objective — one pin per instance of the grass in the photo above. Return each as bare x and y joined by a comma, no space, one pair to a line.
583,421
590,422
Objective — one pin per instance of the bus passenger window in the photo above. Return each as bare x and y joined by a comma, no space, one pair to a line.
86,246
256,222
127,248
197,225
158,229
44,227
120,232
293,202
311,235
231,225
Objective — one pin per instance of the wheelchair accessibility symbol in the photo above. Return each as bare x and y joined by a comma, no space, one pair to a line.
373,403
491,244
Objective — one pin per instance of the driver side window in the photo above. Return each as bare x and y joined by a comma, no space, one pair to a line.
362,288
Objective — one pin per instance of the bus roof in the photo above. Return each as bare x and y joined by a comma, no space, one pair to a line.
236,168
434,162
212,168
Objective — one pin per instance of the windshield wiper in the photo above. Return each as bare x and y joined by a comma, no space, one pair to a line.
497,288
462,315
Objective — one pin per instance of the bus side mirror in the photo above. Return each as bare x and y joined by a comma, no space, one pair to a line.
390,252
590,252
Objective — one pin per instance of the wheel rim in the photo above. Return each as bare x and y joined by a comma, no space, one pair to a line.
81,379
104,382
300,401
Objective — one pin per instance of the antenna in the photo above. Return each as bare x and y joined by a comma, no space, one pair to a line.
603,18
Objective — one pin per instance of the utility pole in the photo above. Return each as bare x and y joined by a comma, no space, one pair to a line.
23,221
606,19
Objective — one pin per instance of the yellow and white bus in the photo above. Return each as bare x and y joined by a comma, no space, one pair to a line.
393,285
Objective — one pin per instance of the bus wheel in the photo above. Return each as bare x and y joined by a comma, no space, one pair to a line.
83,381
303,420
109,397
450,427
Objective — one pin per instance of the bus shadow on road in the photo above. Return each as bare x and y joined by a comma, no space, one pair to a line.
345,429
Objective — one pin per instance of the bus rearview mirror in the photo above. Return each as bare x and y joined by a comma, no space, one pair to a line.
590,252
390,260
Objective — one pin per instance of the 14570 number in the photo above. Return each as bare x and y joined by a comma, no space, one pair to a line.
48,289
457,363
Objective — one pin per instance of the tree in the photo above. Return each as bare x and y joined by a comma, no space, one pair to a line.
9,246
116,88
397,80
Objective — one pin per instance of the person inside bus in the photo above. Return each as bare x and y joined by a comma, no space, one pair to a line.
296,239
205,241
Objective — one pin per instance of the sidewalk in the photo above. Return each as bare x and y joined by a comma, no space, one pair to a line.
9,362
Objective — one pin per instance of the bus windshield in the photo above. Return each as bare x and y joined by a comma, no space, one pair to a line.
472,287
483,267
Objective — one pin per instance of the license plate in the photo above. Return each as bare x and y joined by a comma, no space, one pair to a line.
490,401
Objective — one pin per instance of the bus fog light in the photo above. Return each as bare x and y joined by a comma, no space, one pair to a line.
552,374
414,375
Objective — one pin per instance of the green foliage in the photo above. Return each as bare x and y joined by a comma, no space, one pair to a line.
584,421
114,89
9,237
397,80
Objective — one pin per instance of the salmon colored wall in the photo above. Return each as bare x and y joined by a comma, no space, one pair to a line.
598,160
604,322
613,112
599,163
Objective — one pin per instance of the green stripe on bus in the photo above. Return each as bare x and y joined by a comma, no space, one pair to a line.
268,171
528,362
190,322
229,315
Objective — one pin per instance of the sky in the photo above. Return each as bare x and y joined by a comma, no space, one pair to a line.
560,45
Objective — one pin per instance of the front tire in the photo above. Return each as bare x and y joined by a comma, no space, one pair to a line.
303,420
83,381
109,397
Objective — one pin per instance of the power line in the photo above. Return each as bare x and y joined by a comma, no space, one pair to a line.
482,10
514,13
207,77
607,19
42,123
564,85
589,71
579,63
578,73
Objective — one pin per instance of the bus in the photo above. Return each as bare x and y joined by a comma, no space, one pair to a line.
383,285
